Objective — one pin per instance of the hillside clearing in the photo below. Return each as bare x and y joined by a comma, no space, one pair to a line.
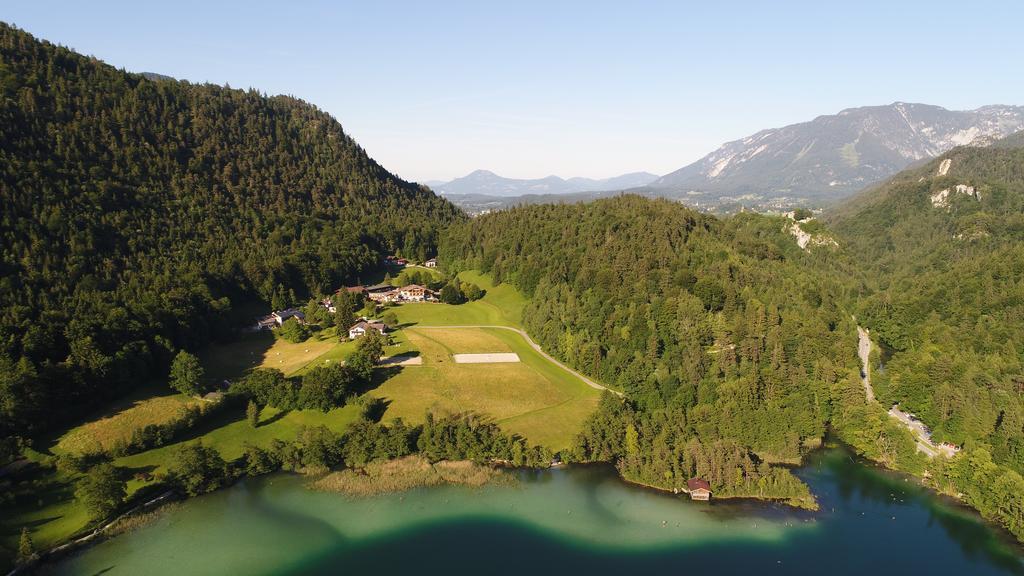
117,423
533,398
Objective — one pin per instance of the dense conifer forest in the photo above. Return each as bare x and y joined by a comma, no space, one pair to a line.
947,305
732,344
138,214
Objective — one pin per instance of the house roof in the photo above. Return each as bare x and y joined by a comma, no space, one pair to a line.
353,289
363,324
379,287
413,287
698,484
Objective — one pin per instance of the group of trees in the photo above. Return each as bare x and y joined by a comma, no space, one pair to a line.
659,448
946,304
137,214
717,330
458,292
473,437
320,388
197,469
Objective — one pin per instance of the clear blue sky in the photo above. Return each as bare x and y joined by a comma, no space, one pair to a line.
436,89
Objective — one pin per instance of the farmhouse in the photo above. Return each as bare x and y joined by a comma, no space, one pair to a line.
432,263
266,322
360,328
413,293
275,319
382,293
698,489
282,315
381,297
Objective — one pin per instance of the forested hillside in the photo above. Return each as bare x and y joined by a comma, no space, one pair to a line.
729,344
137,213
945,245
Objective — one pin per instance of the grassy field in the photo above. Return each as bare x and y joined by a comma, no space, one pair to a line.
52,515
500,306
532,398
229,432
264,350
153,404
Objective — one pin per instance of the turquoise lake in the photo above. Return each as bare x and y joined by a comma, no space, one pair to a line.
563,521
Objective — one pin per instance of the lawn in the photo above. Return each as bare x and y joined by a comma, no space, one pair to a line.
501,306
117,422
532,398
51,513
229,432
264,349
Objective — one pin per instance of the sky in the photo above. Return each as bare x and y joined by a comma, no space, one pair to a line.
434,90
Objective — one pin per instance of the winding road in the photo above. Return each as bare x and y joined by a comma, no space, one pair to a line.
533,345
922,436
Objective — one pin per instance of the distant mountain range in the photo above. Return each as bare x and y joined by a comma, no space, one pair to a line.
834,156
490,184
813,163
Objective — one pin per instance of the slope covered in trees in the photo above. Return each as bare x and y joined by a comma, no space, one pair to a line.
138,213
948,308
722,333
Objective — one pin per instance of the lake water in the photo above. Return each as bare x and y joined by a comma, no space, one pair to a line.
565,521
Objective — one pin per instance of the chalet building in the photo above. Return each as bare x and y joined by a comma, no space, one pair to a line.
265,323
360,328
698,489
383,297
275,319
413,293
382,293
282,315
432,263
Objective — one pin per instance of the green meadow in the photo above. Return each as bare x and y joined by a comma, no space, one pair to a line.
533,398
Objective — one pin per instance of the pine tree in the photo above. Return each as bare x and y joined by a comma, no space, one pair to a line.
26,548
252,414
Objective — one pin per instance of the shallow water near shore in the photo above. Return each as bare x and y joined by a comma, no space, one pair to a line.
562,520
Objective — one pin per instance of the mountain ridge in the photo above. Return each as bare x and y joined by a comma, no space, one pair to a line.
488,183
834,156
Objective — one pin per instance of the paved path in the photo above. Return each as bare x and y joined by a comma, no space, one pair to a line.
491,358
533,345
401,360
922,436
864,351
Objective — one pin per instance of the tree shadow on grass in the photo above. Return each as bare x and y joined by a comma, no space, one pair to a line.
376,408
36,523
381,374
233,412
267,422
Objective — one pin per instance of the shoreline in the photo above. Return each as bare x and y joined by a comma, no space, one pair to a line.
409,473
496,475
732,498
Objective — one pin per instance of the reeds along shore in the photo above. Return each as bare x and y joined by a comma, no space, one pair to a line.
408,473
